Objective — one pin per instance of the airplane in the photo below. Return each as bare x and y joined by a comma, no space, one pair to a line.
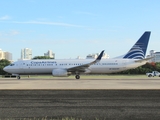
135,57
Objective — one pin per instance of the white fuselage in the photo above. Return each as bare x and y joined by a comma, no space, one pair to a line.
47,66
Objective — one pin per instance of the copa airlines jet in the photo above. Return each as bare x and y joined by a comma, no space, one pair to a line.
133,58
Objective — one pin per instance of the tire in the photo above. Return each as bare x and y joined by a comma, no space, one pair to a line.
77,77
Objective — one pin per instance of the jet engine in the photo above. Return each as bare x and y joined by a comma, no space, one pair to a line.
59,73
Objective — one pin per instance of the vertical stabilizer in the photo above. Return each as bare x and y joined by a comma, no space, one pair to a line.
138,51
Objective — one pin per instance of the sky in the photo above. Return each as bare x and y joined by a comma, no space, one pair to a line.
72,28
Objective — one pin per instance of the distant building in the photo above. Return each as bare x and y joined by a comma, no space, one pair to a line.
155,55
2,56
26,53
50,54
8,56
94,56
5,55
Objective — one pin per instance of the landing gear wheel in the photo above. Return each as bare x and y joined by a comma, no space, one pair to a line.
18,77
77,76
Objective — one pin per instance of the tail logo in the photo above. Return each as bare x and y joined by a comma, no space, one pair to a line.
138,51
135,53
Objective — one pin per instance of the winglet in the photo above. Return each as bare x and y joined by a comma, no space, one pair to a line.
83,67
100,56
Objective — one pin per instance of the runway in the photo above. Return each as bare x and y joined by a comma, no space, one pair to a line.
81,84
85,99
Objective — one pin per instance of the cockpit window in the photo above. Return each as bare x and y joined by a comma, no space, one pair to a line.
11,64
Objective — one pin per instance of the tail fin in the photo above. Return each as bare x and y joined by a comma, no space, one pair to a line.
138,51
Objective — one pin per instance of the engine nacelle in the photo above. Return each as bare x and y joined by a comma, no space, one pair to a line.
87,71
59,73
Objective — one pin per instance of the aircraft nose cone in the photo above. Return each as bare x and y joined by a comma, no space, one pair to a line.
5,69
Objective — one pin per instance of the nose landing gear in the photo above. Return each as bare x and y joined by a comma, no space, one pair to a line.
18,77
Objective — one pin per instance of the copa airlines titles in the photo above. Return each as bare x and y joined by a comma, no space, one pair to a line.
43,62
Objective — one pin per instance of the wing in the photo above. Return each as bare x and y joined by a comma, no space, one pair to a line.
82,68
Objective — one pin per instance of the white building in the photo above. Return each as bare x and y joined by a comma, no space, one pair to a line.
8,56
2,56
155,55
94,56
26,53
50,54
5,55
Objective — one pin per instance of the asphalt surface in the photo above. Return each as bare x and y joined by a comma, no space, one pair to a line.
84,104
72,83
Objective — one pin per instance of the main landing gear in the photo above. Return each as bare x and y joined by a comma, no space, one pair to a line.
77,77
18,77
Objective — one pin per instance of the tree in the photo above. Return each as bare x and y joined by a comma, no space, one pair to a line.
42,57
158,66
3,63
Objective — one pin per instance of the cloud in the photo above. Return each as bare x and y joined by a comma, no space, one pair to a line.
6,17
14,32
10,33
49,23
86,13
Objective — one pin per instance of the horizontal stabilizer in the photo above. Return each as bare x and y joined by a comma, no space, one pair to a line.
142,60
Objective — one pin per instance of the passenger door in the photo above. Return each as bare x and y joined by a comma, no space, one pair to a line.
21,66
